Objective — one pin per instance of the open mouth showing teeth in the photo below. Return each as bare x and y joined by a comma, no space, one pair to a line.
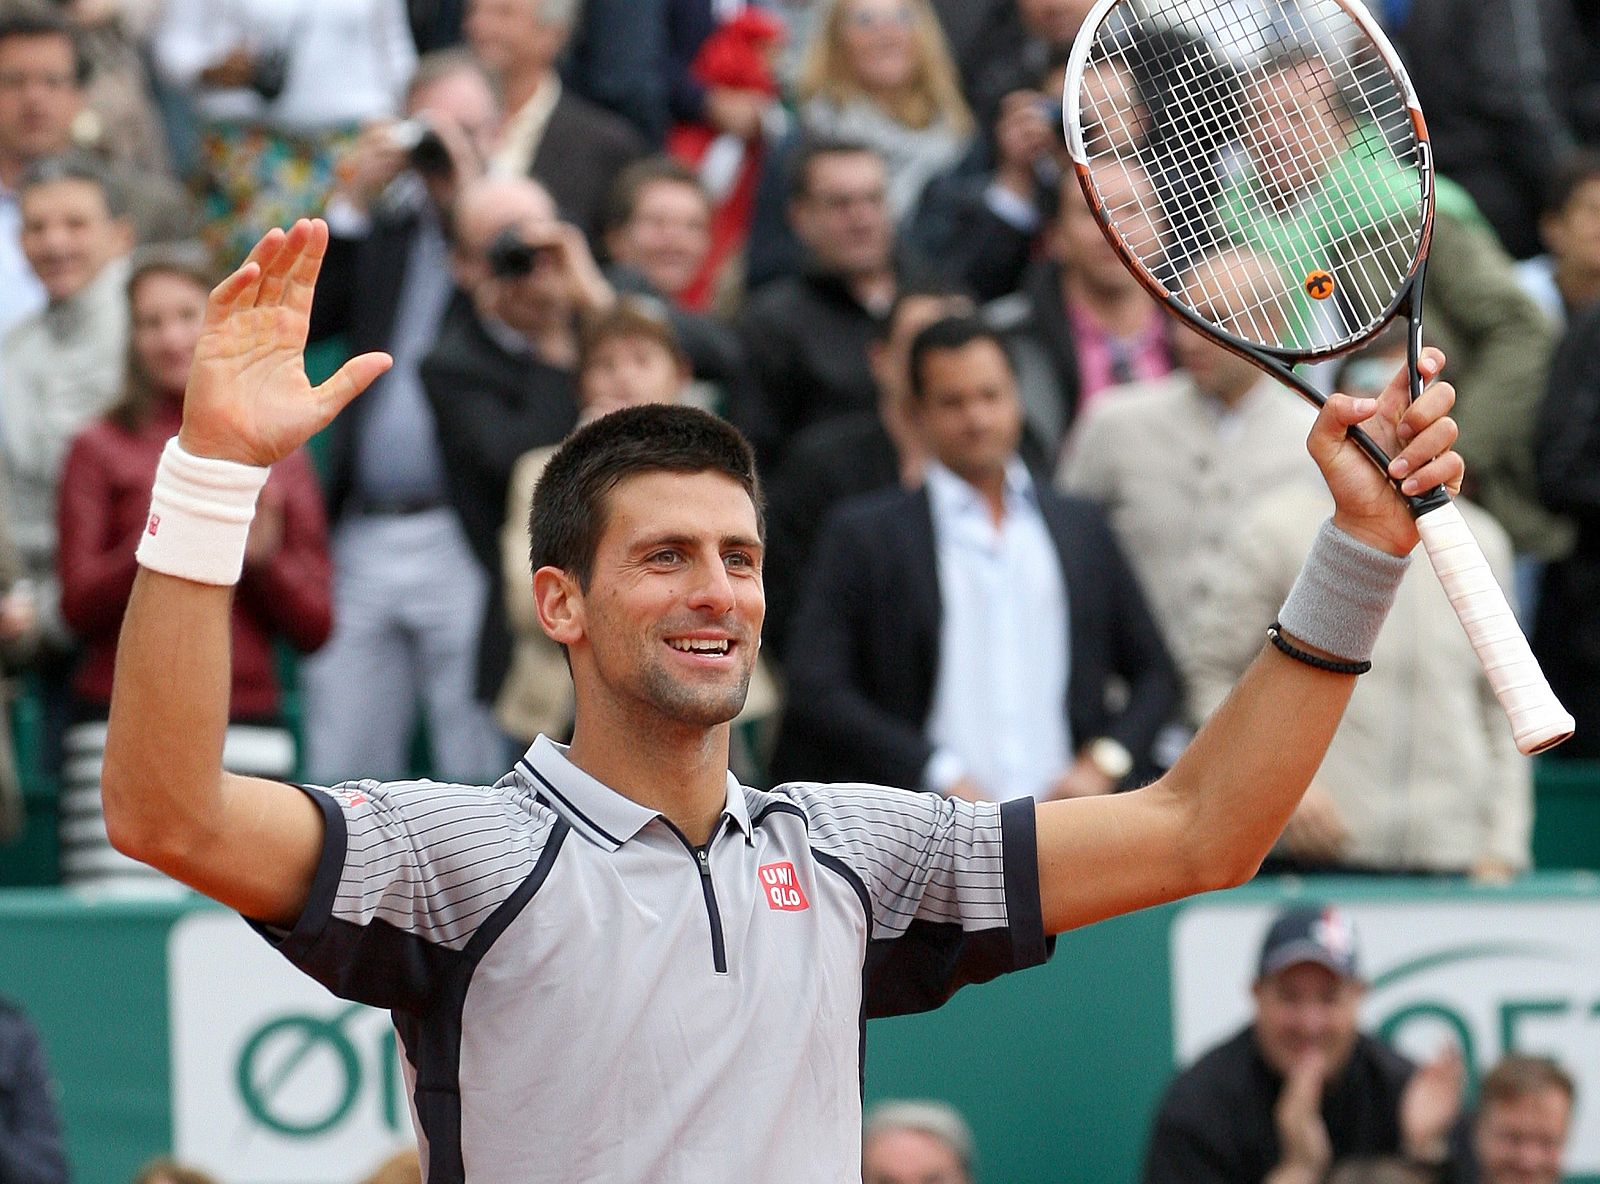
697,646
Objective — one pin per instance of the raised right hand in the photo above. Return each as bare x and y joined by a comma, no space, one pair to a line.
248,398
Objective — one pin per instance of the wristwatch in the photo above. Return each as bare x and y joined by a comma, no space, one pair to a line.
1111,758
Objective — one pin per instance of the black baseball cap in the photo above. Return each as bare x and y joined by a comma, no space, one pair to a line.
1310,933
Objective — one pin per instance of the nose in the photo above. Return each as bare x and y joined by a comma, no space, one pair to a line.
713,588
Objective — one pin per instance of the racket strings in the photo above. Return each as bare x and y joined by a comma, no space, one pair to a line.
1278,130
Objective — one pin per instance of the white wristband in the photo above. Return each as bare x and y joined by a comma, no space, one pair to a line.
200,514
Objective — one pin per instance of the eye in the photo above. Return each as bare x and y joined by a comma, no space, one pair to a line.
665,557
741,559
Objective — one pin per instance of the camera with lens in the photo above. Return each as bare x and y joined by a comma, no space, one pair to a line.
423,146
511,258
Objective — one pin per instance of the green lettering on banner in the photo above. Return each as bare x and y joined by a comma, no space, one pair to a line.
1513,1010
1389,1030
294,1038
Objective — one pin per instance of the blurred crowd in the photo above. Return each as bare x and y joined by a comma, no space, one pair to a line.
1024,529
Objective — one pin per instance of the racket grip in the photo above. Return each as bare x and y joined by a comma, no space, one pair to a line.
1538,721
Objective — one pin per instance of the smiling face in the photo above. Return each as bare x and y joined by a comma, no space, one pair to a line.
1306,1010
69,235
1521,1140
166,310
668,627
668,236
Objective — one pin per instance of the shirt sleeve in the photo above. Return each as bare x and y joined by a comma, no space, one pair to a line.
951,888
410,873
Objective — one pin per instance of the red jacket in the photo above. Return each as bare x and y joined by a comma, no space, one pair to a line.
102,503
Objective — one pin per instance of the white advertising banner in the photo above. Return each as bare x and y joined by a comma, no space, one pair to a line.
1493,977
274,1080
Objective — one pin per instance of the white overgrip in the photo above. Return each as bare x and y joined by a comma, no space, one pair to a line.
1538,721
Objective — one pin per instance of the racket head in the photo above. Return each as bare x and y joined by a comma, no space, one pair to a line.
1272,184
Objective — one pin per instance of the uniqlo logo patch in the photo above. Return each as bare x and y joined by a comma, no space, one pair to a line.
782,888
154,524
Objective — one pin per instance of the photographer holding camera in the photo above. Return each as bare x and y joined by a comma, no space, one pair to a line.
501,378
407,598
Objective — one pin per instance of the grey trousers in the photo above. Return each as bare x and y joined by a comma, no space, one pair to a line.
408,603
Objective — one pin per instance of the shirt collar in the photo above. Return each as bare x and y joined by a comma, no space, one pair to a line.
601,814
952,494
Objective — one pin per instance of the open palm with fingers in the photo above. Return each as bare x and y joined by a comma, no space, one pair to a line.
248,398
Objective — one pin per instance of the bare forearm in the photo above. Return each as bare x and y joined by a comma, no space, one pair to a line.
1244,773
169,713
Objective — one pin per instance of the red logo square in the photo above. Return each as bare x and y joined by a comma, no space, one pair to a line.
781,886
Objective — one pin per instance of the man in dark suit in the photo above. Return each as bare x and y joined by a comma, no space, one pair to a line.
568,144
501,378
407,597
962,637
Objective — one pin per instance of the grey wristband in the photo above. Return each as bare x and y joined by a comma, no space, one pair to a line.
1342,595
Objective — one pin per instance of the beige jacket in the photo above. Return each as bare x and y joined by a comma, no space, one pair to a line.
1176,474
1423,770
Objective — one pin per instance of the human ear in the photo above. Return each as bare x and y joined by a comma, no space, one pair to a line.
559,602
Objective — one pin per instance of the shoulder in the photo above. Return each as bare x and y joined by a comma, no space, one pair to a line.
1220,1077
603,129
1385,1064
774,301
878,514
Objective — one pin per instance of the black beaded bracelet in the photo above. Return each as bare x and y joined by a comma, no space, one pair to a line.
1275,635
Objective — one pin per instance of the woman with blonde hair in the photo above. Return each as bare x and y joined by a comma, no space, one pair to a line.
879,72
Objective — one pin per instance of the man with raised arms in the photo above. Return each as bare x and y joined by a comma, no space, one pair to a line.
617,963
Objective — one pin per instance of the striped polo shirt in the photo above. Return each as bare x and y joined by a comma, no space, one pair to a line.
582,994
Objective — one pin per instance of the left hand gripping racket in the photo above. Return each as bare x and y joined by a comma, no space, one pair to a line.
1263,168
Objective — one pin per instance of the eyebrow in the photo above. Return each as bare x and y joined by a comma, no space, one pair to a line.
679,539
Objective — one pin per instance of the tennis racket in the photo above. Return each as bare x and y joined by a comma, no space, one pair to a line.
1263,168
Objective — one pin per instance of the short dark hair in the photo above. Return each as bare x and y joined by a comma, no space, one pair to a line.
569,503
812,149
1518,1075
74,166
953,333
1577,169
622,199
34,21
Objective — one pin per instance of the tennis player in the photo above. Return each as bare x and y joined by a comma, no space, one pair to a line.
617,963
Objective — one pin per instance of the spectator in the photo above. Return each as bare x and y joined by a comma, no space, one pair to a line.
1301,1088
984,217
806,336
915,1143
408,600
42,77
570,146
1177,463
854,454
31,1150
284,594
1566,634
879,73
119,120
629,358
1566,279
1403,788
63,366
1519,1134
19,635
170,1171
729,110
500,378
1485,74
1499,347
1082,324
281,91
1047,29
617,58
939,650
657,233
